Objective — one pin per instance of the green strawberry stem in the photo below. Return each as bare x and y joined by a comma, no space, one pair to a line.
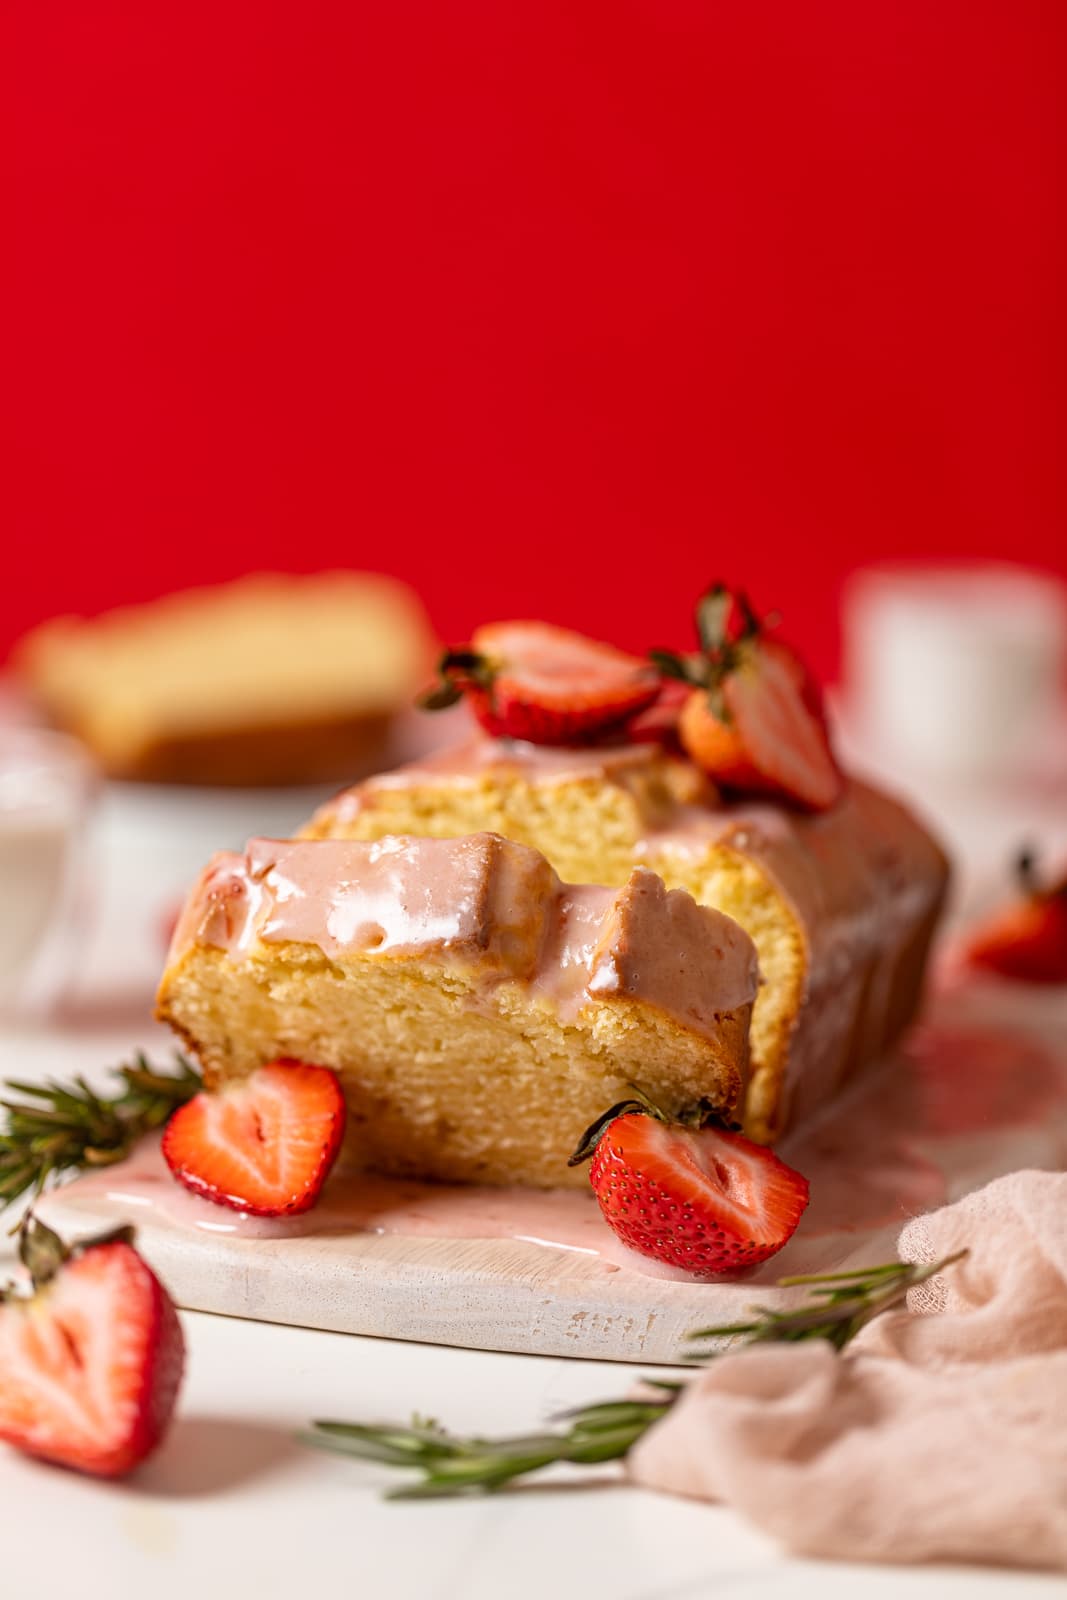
726,624
55,1128
1031,884
453,1464
700,1114
41,1251
44,1254
1026,875
457,670
713,618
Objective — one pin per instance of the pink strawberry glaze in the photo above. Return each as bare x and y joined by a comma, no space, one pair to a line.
484,905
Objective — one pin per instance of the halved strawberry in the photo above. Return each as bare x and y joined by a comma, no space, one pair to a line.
1027,940
702,1198
530,680
754,719
91,1361
264,1145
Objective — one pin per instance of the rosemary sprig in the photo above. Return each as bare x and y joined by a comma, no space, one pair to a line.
53,1128
844,1302
452,1464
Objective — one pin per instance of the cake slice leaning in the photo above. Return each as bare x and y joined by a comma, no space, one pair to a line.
479,1012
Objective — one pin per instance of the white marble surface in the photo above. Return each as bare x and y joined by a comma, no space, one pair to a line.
232,1506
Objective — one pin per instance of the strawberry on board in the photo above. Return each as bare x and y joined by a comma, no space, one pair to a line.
91,1358
1027,939
753,719
530,680
264,1145
699,1197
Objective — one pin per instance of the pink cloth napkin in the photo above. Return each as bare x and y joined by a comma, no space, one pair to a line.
940,1433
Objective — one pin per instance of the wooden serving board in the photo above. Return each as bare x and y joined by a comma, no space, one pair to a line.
979,1090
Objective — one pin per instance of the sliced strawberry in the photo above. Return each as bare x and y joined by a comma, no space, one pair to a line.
264,1145
91,1361
785,743
1026,940
704,1199
754,718
530,680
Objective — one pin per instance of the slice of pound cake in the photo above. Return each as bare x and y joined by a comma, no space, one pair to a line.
479,1012
841,903
268,680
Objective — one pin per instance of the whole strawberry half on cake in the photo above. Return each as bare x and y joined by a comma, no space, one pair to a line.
547,685
753,719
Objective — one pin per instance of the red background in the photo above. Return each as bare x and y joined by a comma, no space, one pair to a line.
551,308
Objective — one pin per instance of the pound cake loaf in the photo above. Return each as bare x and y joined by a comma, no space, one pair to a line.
841,904
479,1012
269,680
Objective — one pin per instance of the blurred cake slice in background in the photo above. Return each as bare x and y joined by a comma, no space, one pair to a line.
268,680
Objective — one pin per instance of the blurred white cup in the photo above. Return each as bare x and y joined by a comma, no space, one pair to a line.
959,670
47,784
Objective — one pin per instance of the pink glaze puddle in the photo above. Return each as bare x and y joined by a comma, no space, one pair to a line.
361,1202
